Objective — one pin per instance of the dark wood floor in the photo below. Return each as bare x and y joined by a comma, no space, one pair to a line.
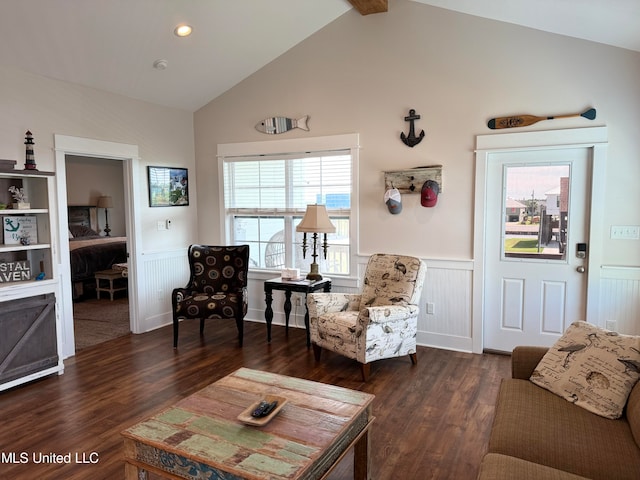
432,419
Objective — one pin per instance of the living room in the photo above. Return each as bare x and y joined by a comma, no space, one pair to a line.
361,75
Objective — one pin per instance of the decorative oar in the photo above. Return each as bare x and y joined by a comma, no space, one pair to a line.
525,120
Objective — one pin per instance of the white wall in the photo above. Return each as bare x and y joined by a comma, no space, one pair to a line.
164,136
363,73
47,107
90,178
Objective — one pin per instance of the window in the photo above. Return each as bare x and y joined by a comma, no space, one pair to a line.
266,195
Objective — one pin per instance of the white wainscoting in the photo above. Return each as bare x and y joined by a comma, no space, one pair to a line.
620,299
448,286
161,272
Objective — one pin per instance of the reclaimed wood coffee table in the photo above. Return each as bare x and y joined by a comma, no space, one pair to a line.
201,437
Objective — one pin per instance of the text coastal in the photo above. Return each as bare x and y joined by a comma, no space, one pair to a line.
51,457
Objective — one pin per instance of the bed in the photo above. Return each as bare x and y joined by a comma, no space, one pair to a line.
90,253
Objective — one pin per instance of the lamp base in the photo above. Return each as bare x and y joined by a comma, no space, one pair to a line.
314,274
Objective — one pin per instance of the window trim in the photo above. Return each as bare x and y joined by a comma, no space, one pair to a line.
350,141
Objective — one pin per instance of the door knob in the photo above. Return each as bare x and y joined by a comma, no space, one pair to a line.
580,269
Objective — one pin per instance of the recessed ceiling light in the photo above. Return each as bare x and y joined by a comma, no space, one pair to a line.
183,30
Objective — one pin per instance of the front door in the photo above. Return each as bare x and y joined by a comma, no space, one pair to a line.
536,234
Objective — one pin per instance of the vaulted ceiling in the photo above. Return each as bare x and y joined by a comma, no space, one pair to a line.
112,45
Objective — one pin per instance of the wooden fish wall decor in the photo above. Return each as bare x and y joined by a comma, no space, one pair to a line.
276,125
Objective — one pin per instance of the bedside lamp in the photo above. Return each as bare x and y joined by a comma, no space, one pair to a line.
105,202
315,220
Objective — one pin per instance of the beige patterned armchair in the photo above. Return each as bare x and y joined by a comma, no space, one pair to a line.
381,322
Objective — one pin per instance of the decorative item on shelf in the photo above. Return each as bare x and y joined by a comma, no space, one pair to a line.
15,271
20,230
275,125
30,161
411,140
106,202
526,120
315,220
20,198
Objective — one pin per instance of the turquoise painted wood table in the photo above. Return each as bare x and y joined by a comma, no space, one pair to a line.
201,437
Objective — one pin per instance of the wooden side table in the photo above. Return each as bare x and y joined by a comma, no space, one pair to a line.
110,276
300,286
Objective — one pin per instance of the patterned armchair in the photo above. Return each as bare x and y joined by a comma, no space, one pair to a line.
217,288
381,322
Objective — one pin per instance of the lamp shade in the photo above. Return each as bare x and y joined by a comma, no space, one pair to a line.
105,202
316,220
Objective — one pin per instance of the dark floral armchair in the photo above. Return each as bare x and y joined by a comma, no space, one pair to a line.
217,287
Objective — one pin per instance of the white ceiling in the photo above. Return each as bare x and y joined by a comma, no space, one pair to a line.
111,45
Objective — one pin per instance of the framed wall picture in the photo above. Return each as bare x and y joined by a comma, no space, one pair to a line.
168,187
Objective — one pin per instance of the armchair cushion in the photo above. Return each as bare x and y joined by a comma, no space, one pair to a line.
193,304
392,280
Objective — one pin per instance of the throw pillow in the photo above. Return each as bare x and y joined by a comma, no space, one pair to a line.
591,367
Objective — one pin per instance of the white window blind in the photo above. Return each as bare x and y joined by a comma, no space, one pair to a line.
265,197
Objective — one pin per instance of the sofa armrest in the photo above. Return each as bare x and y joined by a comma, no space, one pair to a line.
524,360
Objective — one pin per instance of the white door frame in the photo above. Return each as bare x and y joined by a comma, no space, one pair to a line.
66,145
594,138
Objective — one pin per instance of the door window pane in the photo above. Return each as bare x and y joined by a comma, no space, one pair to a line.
536,212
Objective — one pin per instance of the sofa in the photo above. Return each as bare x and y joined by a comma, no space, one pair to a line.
537,434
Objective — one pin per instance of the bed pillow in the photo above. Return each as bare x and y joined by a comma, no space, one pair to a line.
591,367
82,231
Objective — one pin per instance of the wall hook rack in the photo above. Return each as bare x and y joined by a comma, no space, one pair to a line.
411,180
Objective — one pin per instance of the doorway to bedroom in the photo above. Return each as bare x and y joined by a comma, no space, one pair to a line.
97,243
125,157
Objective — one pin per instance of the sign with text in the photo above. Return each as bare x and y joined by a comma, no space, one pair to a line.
20,230
15,271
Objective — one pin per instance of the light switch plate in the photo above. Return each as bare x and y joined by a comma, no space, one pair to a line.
625,232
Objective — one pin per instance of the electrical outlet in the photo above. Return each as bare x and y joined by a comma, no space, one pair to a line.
162,225
431,308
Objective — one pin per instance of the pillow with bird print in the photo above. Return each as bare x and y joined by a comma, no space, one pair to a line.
591,367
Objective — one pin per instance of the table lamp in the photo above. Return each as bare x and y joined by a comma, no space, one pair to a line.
315,220
106,202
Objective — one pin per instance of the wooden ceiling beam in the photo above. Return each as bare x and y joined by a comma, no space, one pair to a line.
365,7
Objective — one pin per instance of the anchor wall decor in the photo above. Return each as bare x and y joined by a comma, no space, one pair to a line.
411,140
